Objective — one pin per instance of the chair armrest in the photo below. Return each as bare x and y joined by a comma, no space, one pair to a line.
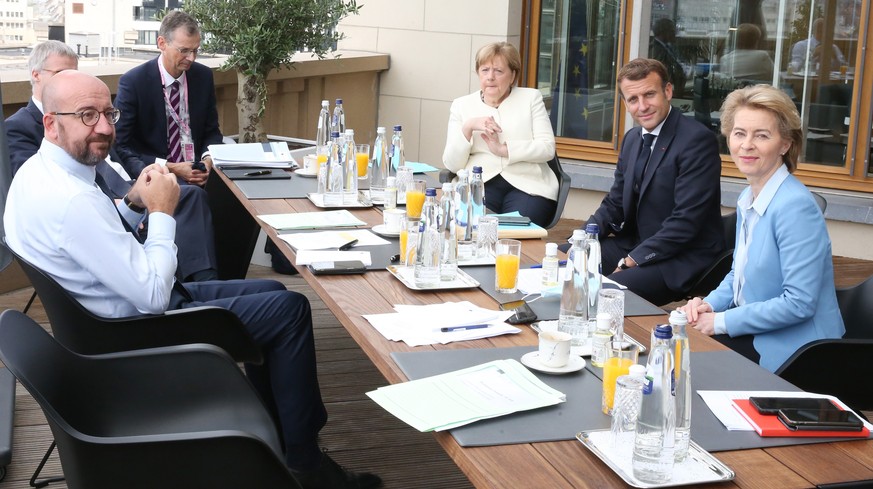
446,176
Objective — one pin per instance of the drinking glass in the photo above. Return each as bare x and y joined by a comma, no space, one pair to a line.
506,266
611,301
620,356
362,158
486,236
408,240
415,198
403,180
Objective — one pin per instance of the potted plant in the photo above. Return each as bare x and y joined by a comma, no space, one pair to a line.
262,35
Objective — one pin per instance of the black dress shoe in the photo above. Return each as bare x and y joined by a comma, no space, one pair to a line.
330,475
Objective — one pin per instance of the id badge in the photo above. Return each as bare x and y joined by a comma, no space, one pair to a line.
187,151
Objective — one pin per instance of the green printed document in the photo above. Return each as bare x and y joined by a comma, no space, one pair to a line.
461,397
312,220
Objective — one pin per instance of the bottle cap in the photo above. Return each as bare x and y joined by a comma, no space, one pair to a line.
663,332
350,132
334,134
637,370
477,169
678,317
431,192
398,127
447,187
578,234
380,130
592,228
603,320
462,173
339,101
551,249
390,181
325,103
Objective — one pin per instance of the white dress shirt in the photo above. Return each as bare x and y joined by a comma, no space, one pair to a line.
59,220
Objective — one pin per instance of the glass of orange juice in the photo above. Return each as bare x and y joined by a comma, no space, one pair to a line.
362,158
506,266
620,356
415,198
408,240
320,158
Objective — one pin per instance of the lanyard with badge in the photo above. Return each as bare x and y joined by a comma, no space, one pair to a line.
180,118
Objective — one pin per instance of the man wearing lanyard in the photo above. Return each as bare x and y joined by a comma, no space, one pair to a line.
168,108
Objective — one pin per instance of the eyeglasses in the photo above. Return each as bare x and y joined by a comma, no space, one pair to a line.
90,117
53,72
185,52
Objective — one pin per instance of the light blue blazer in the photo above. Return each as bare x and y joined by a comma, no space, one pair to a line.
789,279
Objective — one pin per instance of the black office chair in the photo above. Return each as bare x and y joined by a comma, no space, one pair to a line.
833,367
7,382
820,200
856,307
716,272
564,182
173,417
82,331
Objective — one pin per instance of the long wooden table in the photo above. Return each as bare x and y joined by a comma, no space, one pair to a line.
565,464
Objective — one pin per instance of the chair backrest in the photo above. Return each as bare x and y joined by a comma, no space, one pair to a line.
856,307
821,201
563,189
833,367
120,423
5,181
84,332
729,225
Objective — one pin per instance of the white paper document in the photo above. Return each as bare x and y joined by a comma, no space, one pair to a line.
423,325
308,257
461,397
332,239
530,281
312,220
249,154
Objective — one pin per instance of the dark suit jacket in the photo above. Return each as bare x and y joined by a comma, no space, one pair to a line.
678,215
141,133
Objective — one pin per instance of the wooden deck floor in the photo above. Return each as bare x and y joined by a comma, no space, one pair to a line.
359,434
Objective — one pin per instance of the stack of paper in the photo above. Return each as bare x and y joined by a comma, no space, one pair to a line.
252,154
312,220
423,325
332,239
457,398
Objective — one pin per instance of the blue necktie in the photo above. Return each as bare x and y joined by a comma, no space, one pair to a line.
642,161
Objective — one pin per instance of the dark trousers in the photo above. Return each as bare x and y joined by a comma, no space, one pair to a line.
280,322
646,282
502,197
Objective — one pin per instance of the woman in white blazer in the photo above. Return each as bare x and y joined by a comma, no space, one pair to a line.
506,130
779,294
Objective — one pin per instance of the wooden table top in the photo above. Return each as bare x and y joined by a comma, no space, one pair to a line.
564,464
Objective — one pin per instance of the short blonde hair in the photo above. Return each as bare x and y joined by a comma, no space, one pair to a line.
777,103
505,50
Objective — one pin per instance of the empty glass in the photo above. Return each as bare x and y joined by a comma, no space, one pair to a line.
403,180
486,236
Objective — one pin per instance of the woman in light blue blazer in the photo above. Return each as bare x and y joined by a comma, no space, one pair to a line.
779,294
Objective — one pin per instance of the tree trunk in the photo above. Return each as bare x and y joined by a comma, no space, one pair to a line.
249,101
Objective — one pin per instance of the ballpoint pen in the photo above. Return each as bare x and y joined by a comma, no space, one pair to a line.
560,264
258,172
348,245
395,258
464,328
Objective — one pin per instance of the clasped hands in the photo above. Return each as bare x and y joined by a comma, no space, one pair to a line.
700,315
156,189
186,171
489,129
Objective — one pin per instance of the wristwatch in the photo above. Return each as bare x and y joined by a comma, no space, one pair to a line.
130,205
622,265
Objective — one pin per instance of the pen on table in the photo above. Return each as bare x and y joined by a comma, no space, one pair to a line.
464,328
348,245
560,264
395,258
258,172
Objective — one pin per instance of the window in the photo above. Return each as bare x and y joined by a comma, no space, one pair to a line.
808,48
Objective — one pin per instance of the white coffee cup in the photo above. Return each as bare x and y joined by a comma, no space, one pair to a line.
393,219
554,348
309,163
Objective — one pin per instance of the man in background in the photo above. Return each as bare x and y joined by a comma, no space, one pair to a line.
168,107
24,134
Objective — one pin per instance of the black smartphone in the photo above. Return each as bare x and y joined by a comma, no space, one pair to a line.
337,267
198,165
820,420
772,405
523,312
513,220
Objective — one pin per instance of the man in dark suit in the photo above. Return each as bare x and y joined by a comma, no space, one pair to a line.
24,134
168,108
660,224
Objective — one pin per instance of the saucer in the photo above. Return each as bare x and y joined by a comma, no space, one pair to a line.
311,173
382,230
531,360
